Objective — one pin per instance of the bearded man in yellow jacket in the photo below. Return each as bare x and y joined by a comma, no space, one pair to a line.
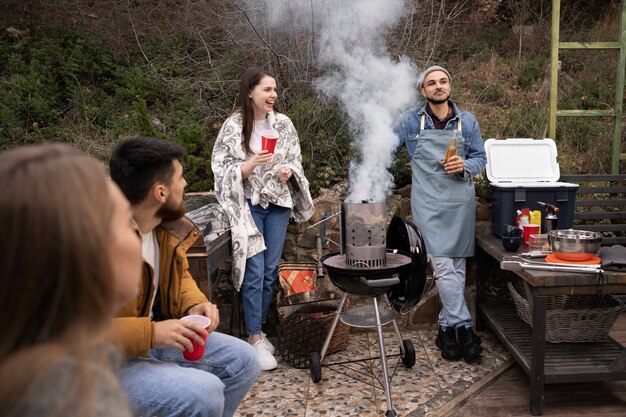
157,378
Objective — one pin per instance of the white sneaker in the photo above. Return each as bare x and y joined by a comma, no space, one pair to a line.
269,344
267,361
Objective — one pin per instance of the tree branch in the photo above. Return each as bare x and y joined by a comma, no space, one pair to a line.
261,37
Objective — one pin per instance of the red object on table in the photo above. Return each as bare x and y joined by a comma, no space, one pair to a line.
552,258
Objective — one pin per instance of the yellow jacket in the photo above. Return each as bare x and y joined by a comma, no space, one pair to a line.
132,328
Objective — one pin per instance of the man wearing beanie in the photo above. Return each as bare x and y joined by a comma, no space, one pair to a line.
442,200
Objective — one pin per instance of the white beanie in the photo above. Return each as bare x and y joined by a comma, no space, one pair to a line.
431,69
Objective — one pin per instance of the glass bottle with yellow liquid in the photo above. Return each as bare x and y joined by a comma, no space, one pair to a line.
450,149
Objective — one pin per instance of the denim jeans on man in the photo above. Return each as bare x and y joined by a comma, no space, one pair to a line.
257,289
451,287
165,384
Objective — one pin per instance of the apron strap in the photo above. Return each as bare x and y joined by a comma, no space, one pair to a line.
458,126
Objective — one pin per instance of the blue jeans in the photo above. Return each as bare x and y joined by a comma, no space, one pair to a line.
451,287
166,384
261,270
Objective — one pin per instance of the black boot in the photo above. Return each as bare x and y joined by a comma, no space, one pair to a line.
446,341
469,342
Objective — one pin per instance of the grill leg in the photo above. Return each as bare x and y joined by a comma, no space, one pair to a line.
398,335
396,328
383,359
329,336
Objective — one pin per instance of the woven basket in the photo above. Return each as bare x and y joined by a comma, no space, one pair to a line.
299,333
339,341
571,318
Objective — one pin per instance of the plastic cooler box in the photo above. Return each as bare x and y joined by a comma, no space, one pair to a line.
522,172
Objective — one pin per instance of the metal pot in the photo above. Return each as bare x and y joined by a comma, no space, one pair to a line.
574,245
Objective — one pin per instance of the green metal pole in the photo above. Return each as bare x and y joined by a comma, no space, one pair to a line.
554,67
619,95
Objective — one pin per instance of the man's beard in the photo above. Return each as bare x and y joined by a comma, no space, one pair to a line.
438,100
171,211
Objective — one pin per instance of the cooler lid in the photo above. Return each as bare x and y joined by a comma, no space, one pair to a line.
521,160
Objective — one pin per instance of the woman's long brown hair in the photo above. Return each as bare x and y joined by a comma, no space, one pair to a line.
249,80
56,287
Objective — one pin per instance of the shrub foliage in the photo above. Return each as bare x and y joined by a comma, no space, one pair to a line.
169,69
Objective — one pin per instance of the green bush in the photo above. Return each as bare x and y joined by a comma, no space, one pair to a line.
137,81
401,169
531,69
482,186
325,140
581,133
475,42
492,93
527,120
588,95
198,160
69,83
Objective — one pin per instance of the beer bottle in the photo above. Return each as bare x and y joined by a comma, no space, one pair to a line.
450,149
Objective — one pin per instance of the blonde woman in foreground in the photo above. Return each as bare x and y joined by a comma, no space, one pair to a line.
69,257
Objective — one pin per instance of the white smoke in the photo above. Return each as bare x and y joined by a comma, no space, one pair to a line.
372,86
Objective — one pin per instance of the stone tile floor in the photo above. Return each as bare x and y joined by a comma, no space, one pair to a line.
418,391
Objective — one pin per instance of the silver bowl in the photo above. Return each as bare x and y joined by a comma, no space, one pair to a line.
575,245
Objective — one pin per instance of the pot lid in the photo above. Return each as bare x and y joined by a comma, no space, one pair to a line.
520,160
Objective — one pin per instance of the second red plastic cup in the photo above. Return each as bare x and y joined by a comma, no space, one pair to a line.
268,140
198,350
529,229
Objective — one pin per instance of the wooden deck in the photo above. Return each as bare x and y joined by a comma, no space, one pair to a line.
506,394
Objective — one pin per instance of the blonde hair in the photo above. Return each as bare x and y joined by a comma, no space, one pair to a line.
55,273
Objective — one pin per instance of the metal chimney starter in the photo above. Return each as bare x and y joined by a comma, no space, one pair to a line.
364,234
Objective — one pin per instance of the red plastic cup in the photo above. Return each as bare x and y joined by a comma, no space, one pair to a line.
198,350
529,229
268,140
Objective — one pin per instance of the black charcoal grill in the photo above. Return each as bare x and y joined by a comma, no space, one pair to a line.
376,261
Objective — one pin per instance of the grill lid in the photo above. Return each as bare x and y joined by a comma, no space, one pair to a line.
403,235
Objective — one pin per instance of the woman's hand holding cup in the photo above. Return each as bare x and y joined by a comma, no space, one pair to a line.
262,157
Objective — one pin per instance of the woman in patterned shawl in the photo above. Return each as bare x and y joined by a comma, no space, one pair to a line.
259,191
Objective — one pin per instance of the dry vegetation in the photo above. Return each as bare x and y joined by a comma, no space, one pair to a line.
170,68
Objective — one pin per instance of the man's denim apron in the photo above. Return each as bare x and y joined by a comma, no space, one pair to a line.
442,204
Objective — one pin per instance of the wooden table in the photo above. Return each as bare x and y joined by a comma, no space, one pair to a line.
547,363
